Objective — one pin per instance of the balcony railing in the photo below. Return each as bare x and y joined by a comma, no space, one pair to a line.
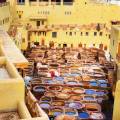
20,3
107,1
4,4
47,3
67,3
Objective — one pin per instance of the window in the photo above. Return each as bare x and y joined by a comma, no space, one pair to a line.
38,23
66,33
100,33
75,33
67,12
19,16
70,33
44,33
81,33
54,34
95,33
21,1
87,33
42,22
32,0
23,40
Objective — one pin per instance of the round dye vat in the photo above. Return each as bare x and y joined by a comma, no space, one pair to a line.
89,98
39,89
100,93
55,88
102,81
57,103
44,105
74,74
97,116
56,111
78,90
59,78
92,107
70,113
75,105
83,115
66,89
66,74
103,84
76,97
49,94
45,99
90,92
72,82
62,95
93,83
49,81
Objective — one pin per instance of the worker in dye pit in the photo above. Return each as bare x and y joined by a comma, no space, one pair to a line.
63,55
97,57
46,54
35,67
65,117
79,56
